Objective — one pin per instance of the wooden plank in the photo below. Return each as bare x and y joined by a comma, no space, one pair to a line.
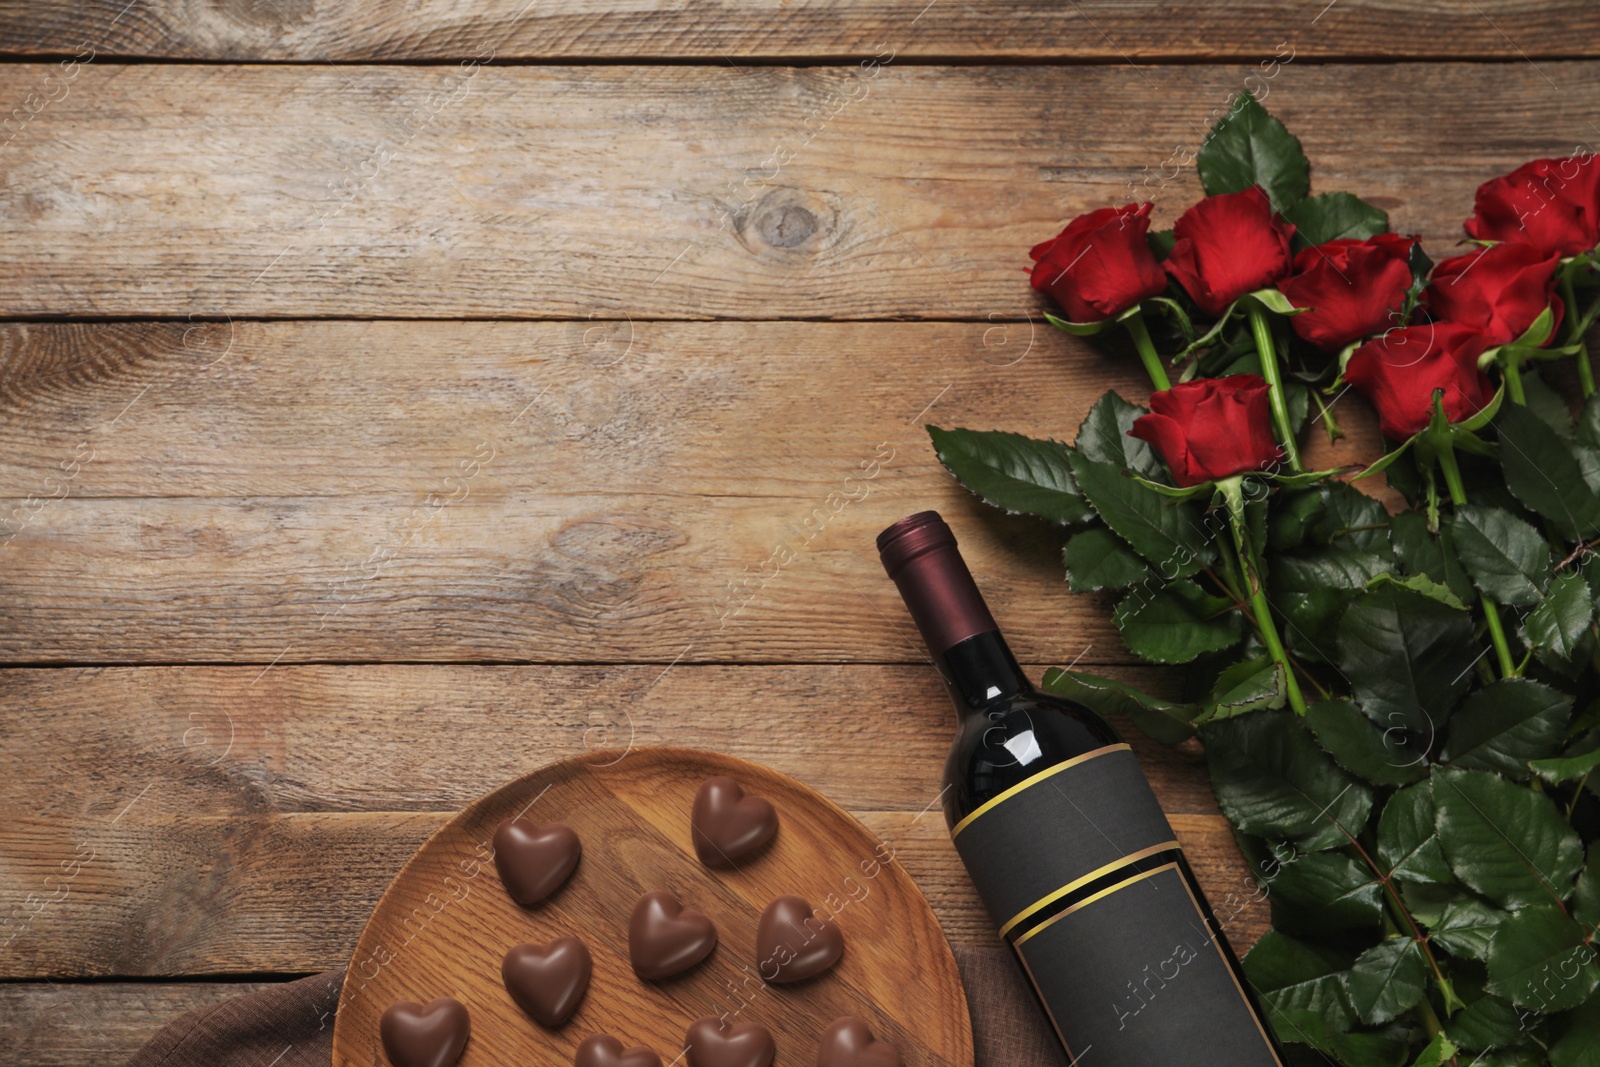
222,742
191,823
68,1024
262,893
705,492
679,191
301,31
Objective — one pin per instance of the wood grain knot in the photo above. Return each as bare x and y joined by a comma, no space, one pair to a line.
787,220
786,225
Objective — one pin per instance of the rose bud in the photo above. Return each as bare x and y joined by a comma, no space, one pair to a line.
1498,290
1100,265
1229,245
1551,204
1351,289
1399,372
1211,428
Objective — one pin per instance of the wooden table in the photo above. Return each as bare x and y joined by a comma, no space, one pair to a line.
393,403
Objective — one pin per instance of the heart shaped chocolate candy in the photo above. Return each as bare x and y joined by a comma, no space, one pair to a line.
792,944
431,1035
729,824
848,1042
711,1044
603,1050
534,860
548,981
664,939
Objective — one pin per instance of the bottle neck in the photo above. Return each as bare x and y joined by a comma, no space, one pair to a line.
980,671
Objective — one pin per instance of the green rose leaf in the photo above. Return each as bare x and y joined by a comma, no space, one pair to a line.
1589,422
1467,928
1294,514
1103,437
1272,780
1407,845
1363,1049
1360,747
1408,658
1419,551
1586,897
1163,720
1503,840
1561,620
1331,216
1577,1035
1019,474
1249,685
1169,535
1249,147
1558,769
1098,559
1325,892
1503,726
1387,979
1508,559
1551,476
1351,518
1538,959
1538,397
1176,622
1421,583
1161,242
1428,902
1436,1053
1487,1022
1302,987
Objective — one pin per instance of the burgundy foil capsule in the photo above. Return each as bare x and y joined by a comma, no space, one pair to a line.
919,552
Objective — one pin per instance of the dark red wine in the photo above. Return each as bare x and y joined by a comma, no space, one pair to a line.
1074,860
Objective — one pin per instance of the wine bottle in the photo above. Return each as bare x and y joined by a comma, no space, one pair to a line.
1070,851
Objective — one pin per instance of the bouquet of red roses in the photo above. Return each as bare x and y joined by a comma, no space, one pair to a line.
1399,710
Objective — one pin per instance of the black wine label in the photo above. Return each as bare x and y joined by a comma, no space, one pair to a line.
1077,864
1132,975
1055,833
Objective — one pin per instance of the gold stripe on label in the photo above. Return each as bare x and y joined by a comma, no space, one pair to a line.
1036,779
1215,944
1086,901
1078,883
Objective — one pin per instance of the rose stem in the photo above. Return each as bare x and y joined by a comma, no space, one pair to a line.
1491,612
1578,327
1147,352
1233,492
1267,350
1512,368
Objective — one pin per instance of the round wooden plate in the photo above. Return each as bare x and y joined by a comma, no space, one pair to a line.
445,923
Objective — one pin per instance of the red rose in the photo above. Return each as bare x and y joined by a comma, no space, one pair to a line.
1400,371
1100,265
1211,428
1352,289
1552,204
1227,246
1499,290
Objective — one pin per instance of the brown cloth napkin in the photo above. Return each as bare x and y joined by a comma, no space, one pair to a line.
291,1025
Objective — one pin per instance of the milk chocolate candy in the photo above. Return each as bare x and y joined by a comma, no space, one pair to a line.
711,1044
548,981
603,1050
533,860
793,944
728,824
431,1035
664,939
848,1042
